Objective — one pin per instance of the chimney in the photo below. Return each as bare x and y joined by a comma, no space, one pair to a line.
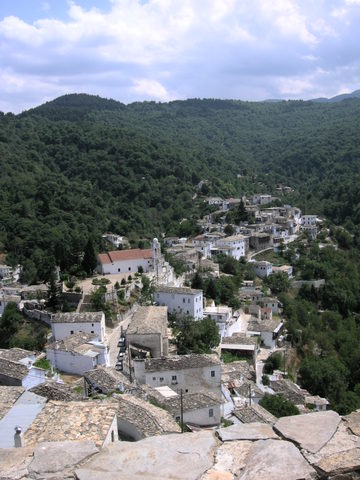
19,438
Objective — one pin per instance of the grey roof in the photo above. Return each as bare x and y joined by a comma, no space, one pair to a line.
22,414
74,317
12,369
290,391
238,338
254,413
8,396
148,320
56,391
15,354
179,290
60,421
234,371
255,325
148,419
107,379
72,342
191,401
180,362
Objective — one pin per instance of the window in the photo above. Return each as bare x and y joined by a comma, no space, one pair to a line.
92,331
173,377
92,324
213,373
129,269
187,311
112,436
71,332
177,419
183,300
118,269
161,379
188,300
154,378
186,391
211,412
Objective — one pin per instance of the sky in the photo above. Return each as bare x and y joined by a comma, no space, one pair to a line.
162,50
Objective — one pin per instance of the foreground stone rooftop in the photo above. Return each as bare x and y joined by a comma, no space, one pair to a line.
316,446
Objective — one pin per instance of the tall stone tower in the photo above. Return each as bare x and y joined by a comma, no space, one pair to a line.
156,257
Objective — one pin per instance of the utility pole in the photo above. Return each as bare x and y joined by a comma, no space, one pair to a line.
129,354
181,411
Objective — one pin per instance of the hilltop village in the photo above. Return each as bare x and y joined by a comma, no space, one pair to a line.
149,345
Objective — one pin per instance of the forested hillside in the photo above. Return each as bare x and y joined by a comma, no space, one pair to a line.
80,165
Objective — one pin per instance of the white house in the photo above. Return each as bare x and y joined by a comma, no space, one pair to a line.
77,353
308,220
65,324
15,373
147,330
200,409
191,373
221,314
115,239
272,303
234,246
288,269
128,261
261,199
181,300
262,268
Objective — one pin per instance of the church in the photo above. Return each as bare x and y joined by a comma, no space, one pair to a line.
132,260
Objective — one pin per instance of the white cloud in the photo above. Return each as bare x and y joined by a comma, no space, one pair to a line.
164,49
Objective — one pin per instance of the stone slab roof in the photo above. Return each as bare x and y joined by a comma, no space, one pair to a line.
12,369
239,338
255,325
8,396
15,354
60,421
74,317
56,391
148,419
178,290
72,343
180,362
290,391
237,370
191,401
254,413
107,379
147,320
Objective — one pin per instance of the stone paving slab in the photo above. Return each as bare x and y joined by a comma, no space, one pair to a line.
340,462
248,431
276,460
14,462
171,457
230,458
353,422
311,431
56,457
342,441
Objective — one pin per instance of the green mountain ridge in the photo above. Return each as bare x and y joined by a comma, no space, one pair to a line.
80,165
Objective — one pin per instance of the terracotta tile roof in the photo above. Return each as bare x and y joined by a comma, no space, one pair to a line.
121,255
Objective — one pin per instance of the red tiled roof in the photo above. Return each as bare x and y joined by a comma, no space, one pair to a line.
121,255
